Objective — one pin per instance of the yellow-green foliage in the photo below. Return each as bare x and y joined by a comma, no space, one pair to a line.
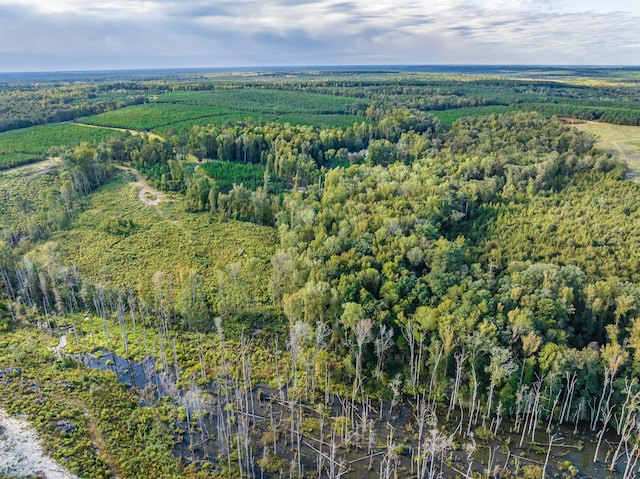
592,226
274,464
163,239
20,189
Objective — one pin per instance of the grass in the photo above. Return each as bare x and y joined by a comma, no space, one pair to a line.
20,189
163,239
11,160
618,140
28,144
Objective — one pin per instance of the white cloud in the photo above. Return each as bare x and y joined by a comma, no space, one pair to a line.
130,33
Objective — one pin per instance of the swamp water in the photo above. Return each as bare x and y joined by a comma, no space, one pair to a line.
225,421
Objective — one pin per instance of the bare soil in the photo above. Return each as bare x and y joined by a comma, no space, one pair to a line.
21,453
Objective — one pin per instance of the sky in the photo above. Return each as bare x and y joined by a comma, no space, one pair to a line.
55,35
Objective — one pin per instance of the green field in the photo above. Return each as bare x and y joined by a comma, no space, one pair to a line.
152,115
163,239
266,101
182,110
619,140
21,146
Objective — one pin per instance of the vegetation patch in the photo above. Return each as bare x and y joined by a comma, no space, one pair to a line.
139,242
29,144
152,115
621,141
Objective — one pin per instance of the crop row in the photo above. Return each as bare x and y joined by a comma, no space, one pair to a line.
266,101
152,115
28,144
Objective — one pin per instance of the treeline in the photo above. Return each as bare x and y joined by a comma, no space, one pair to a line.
26,105
243,165
616,116
380,257
552,98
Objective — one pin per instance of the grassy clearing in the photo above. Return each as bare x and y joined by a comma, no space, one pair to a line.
27,144
163,239
619,140
20,189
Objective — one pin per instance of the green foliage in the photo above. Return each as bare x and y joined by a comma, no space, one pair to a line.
119,226
183,109
26,103
227,173
448,117
502,241
274,464
254,100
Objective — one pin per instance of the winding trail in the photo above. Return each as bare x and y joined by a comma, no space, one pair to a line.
147,195
123,130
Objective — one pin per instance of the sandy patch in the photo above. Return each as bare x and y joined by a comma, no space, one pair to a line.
146,194
21,453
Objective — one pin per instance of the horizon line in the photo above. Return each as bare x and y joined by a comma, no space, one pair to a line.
307,68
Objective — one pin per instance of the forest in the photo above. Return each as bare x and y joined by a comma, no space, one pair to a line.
324,274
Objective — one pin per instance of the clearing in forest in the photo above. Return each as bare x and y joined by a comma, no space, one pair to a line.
118,239
621,141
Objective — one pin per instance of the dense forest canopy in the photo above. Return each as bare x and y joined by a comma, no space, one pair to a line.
485,267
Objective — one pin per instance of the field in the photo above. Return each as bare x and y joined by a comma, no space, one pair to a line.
619,140
266,101
162,239
20,188
34,143
181,110
151,115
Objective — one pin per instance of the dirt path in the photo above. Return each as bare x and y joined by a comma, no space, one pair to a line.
124,130
41,166
21,453
147,195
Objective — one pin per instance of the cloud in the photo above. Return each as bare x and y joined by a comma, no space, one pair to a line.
77,34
